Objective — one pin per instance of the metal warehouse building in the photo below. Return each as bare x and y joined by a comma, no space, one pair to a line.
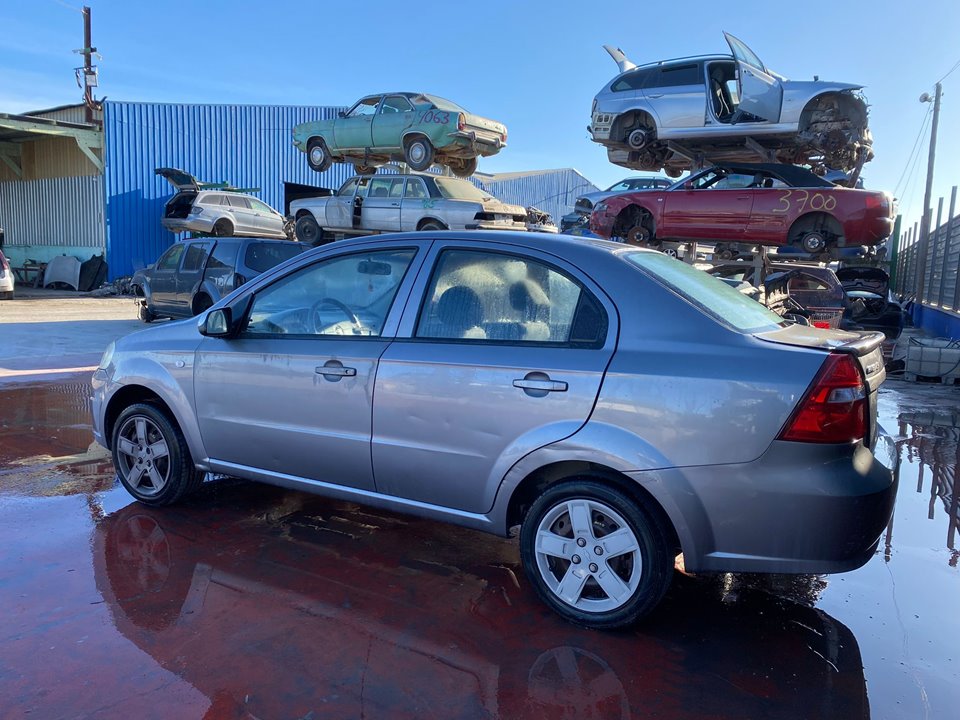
69,187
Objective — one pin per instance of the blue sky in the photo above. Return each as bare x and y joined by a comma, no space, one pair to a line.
533,65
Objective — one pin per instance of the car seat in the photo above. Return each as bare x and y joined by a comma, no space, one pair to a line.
460,312
533,306
380,192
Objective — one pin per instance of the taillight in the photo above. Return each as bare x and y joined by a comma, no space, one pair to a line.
877,200
834,410
4,263
196,210
462,122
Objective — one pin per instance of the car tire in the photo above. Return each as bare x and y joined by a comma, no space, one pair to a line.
7,295
813,242
465,169
640,235
151,456
432,225
223,228
318,156
144,313
418,153
202,302
308,231
364,169
598,593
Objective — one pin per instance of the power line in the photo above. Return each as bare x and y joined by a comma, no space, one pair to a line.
907,205
955,66
910,157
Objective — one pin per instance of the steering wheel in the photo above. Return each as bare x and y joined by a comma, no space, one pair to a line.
345,309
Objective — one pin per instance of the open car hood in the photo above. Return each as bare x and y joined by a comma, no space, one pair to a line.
870,279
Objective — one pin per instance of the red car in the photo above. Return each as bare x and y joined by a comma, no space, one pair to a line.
755,203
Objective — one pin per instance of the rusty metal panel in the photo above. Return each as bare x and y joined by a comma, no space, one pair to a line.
65,211
66,113
245,145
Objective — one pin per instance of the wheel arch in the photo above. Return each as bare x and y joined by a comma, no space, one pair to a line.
631,215
414,132
846,100
125,397
430,218
536,482
815,220
635,117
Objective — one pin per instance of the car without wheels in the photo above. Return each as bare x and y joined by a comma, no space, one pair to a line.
222,213
769,204
413,128
366,205
191,276
497,380
583,205
728,108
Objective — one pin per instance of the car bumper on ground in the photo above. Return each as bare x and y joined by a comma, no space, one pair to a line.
799,508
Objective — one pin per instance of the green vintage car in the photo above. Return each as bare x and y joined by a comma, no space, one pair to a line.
417,129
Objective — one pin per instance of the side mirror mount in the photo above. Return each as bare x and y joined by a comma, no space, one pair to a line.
225,322
342,114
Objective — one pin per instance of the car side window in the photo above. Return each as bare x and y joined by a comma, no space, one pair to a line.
367,106
395,104
224,256
237,201
260,206
347,295
348,188
171,258
212,200
415,188
489,296
396,189
676,75
195,257
633,80
380,187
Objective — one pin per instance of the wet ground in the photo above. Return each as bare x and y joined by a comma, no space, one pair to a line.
255,602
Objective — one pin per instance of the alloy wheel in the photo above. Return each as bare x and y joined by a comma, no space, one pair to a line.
144,458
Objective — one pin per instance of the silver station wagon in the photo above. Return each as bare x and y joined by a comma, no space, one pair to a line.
617,405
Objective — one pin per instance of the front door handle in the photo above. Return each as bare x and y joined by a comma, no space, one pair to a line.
654,96
538,384
335,369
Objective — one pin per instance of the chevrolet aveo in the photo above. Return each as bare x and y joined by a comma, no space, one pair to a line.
618,406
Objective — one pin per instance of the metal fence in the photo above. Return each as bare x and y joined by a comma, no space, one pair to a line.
929,274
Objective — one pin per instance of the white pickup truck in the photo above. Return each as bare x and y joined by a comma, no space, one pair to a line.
371,204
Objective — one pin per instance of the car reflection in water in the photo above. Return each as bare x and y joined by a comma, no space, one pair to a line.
278,604
932,440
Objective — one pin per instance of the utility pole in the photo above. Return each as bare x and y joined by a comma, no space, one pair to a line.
89,74
925,220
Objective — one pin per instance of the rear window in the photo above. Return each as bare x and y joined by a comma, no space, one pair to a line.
261,256
714,297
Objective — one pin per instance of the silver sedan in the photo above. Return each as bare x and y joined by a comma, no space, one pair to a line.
618,406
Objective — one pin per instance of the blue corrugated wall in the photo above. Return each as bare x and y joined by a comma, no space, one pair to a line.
553,191
245,145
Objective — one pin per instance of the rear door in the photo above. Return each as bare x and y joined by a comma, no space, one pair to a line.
190,275
677,95
268,221
395,115
416,201
163,279
381,207
498,354
761,93
242,211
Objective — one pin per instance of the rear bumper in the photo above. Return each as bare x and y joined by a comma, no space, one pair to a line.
179,225
800,508
477,143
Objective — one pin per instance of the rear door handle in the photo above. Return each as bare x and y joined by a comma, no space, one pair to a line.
528,383
655,96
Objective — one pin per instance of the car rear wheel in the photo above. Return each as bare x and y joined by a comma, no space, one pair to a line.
595,555
151,456
318,156
222,228
813,242
418,153
465,168
432,225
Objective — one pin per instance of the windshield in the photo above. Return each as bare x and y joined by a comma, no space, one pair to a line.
454,189
443,104
711,295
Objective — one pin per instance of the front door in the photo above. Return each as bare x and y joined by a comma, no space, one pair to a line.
292,394
381,207
354,131
761,93
712,206
505,355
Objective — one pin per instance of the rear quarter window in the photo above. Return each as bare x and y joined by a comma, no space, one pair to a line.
709,294
261,256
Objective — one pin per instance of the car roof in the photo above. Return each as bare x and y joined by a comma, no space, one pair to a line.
689,58
790,174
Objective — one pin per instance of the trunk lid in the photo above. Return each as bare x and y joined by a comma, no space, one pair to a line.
476,122
869,279
180,179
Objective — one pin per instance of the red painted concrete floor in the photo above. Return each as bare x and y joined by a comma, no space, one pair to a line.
255,602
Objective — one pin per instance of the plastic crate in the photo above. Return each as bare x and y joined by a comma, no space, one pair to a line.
933,357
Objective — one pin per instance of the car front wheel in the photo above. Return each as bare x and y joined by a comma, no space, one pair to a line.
318,156
594,554
151,456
